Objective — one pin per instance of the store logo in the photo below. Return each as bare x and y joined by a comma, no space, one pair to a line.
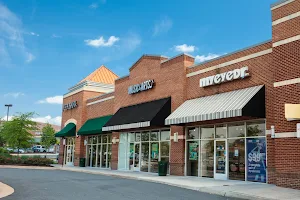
70,106
147,85
224,77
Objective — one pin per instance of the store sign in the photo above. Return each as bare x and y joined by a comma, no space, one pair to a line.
224,77
147,85
256,156
70,106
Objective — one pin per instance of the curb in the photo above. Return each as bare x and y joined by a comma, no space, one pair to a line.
5,190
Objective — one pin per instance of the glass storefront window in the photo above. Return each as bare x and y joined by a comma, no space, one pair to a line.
137,137
193,156
207,132
256,129
154,136
221,131
99,150
154,157
145,136
236,159
193,133
165,135
131,137
207,158
236,130
145,157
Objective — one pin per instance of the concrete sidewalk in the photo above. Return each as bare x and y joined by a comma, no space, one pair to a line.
229,188
5,190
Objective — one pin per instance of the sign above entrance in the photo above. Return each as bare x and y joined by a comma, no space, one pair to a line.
146,85
224,77
70,106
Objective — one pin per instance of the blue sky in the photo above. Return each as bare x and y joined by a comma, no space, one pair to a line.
48,46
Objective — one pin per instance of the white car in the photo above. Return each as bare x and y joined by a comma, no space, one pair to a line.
20,151
40,148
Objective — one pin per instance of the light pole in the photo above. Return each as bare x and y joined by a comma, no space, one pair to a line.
8,105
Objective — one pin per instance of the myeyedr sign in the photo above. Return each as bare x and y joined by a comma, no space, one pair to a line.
70,106
224,77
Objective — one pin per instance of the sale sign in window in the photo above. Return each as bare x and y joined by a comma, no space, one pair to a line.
256,159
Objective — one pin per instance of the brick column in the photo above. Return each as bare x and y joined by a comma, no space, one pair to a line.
114,151
177,151
79,149
61,152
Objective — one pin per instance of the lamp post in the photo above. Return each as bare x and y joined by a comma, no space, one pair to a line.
8,105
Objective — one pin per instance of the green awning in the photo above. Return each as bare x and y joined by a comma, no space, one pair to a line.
67,131
93,126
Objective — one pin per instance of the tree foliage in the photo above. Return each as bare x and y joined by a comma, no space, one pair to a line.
48,136
16,132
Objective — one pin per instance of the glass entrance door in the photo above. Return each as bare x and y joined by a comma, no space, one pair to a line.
69,149
220,171
136,161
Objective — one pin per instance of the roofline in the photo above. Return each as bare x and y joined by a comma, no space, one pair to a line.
278,3
122,77
152,55
177,56
234,52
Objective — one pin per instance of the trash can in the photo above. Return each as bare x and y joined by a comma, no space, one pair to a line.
162,168
82,162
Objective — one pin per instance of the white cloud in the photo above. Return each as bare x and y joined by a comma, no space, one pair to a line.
52,100
12,45
30,58
101,42
162,26
55,36
94,6
14,94
185,48
34,34
203,58
48,119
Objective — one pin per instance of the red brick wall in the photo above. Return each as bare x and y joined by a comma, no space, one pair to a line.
286,10
101,109
283,153
177,152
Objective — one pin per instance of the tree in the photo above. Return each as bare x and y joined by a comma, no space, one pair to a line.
16,132
48,136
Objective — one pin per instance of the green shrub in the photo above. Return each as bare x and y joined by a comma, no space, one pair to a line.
3,150
6,159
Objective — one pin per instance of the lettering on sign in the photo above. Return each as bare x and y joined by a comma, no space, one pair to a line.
146,85
224,77
70,106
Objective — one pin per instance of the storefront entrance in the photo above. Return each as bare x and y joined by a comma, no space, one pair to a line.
220,149
141,151
69,151
235,151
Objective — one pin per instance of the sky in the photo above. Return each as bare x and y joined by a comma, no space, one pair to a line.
47,47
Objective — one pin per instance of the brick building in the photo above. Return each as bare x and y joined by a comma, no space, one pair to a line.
233,117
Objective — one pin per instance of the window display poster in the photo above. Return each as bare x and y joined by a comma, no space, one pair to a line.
256,157
193,151
154,151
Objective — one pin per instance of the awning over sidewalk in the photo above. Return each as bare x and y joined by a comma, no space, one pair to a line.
147,114
67,131
93,126
245,102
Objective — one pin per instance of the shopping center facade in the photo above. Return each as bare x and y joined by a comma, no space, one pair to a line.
234,117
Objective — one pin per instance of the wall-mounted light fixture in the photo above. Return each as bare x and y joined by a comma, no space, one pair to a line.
175,138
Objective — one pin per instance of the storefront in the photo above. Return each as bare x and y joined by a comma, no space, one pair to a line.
234,117
141,151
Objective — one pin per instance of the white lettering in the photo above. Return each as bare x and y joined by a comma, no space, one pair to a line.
223,76
146,85
229,76
217,79
236,73
244,72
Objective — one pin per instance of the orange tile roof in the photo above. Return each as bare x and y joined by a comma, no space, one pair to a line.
101,75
